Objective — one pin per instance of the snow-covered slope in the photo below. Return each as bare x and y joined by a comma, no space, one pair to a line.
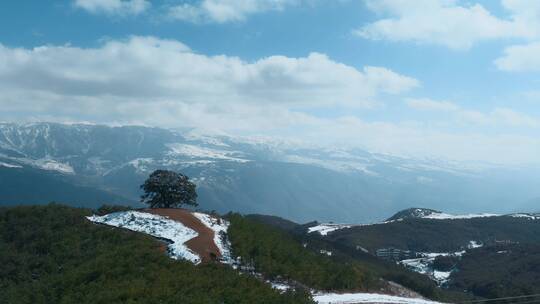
355,298
446,216
219,226
173,231
155,225
324,229
529,216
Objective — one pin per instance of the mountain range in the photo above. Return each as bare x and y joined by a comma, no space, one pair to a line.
89,165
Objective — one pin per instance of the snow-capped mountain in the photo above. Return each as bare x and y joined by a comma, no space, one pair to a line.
296,181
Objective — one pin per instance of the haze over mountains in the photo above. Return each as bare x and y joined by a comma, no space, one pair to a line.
93,164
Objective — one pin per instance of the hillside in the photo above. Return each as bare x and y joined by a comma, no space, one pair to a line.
439,235
53,254
248,175
499,271
477,253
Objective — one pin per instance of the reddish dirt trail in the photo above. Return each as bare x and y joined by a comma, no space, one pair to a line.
203,244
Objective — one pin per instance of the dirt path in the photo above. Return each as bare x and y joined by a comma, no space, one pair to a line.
203,244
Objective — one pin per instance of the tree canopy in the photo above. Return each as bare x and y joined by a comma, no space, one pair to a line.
168,189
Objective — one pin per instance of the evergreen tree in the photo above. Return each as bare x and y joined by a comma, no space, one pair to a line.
168,189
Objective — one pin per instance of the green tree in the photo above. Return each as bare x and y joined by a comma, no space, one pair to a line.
168,189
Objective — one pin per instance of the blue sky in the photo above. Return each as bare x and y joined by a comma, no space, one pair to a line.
427,78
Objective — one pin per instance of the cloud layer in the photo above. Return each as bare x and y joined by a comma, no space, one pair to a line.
151,80
499,116
449,23
113,7
222,11
520,58
157,82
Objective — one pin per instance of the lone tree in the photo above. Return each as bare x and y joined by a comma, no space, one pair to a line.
168,189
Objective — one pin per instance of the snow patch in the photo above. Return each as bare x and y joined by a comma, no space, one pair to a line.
354,298
157,226
424,263
474,244
328,253
141,164
219,226
441,276
280,286
324,229
9,165
526,216
446,216
192,151
52,165
332,164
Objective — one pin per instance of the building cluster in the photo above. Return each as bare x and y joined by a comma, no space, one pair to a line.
394,254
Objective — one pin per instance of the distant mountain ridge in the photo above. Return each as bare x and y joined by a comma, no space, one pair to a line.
412,213
297,182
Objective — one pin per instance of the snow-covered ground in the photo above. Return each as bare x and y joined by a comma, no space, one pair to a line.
424,264
353,298
324,229
529,216
52,165
441,277
474,244
282,287
446,216
219,226
155,225
193,151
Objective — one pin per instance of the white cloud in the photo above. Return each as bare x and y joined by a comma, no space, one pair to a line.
520,58
151,80
222,11
525,14
447,23
388,81
513,118
499,117
425,140
432,105
496,117
114,7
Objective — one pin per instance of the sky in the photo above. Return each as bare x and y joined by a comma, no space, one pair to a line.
448,79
